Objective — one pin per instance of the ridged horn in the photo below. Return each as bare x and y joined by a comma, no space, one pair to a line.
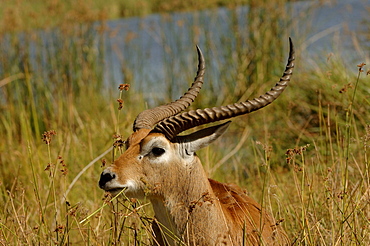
148,118
174,125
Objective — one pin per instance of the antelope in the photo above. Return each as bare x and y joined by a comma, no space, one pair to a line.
161,165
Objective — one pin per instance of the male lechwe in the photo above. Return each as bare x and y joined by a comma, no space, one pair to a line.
190,208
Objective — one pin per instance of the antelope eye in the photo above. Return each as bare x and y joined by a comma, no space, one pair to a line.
158,151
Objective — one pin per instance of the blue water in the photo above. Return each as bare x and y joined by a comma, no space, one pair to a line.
146,45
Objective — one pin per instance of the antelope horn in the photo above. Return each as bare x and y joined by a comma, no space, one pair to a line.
148,118
174,125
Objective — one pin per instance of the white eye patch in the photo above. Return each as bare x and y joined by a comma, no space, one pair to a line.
157,150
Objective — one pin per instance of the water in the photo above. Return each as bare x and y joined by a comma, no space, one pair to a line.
319,29
334,26
158,51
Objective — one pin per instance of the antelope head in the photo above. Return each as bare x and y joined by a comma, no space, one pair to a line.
160,164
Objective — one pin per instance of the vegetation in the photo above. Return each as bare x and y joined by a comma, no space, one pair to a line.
22,15
305,158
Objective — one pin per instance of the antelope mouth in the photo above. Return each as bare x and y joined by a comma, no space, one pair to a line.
115,190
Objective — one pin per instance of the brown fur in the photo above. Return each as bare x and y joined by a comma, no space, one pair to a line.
247,214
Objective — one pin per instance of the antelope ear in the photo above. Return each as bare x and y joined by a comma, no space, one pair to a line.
201,138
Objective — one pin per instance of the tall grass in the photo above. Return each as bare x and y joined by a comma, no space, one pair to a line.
23,15
305,158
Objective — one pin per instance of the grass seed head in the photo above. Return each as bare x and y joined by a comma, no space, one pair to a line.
119,142
47,136
124,87
360,67
120,103
103,162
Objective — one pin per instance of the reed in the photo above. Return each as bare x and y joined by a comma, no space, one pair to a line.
305,158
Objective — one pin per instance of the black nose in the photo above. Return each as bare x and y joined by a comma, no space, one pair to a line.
105,177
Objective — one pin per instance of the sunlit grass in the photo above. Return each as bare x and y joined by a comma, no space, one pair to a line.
305,157
23,15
